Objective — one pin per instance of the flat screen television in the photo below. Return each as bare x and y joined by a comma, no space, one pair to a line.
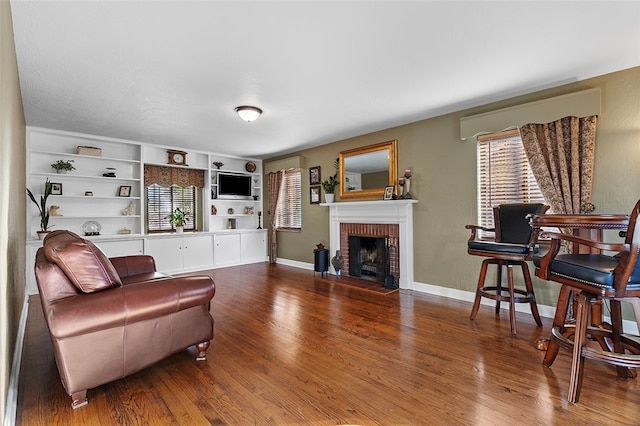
234,186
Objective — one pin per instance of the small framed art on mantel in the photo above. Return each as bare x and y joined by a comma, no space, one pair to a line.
388,193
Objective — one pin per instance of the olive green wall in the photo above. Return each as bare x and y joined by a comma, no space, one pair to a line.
444,180
12,201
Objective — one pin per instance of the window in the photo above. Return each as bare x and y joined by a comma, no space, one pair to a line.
504,174
163,200
289,207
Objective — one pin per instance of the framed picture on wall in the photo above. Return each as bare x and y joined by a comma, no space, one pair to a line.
314,194
314,175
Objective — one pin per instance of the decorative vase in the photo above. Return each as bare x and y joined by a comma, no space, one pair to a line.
61,171
179,229
42,234
328,198
337,262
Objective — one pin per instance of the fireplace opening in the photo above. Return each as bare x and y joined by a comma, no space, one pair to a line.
369,257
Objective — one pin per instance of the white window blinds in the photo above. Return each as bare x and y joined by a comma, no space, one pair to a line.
289,208
504,174
162,200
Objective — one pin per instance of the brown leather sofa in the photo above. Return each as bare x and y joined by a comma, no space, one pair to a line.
109,318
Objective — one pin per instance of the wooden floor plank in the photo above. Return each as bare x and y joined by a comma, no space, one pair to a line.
291,348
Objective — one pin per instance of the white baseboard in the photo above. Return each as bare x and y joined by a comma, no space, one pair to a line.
469,296
295,264
630,327
12,392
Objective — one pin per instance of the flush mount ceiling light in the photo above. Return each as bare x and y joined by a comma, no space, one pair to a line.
248,113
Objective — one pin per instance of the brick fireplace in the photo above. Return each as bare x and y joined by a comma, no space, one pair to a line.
391,219
388,232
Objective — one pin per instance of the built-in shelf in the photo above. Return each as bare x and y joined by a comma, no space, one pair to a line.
102,216
90,157
94,197
83,177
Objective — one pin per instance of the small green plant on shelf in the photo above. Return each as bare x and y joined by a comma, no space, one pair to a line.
330,184
63,166
42,205
177,217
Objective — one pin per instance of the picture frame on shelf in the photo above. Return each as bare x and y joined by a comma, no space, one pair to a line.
388,193
56,188
314,175
314,194
124,191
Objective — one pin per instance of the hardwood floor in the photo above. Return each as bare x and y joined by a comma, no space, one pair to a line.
292,349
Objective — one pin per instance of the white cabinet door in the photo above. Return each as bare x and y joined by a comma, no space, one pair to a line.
198,252
226,249
254,246
121,248
167,252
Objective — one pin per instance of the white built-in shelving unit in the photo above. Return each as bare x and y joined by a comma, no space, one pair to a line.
75,208
121,213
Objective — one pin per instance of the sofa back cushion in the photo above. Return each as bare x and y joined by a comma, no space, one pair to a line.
86,266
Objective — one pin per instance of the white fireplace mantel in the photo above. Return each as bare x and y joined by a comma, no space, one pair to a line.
398,212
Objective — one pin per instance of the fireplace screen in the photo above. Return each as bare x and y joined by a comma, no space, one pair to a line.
369,257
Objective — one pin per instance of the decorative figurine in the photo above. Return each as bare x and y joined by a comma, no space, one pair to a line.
53,211
130,210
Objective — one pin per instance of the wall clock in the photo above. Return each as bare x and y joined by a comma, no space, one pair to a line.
178,158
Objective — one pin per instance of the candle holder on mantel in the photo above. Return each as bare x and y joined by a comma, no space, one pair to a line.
259,217
405,183
401,184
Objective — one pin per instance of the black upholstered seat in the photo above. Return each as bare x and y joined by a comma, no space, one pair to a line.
514,244
594,269
594,277
506,248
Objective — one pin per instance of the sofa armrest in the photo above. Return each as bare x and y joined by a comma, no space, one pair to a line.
127,266
117,307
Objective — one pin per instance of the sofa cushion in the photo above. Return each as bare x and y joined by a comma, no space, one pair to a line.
86,266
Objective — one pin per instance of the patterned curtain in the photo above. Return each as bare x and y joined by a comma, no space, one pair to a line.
561,154
274,180
167,176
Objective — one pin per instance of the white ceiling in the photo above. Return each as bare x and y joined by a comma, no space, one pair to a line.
171,72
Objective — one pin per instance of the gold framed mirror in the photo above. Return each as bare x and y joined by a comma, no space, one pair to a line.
366,171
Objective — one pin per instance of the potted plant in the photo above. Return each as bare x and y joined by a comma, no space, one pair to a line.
329,187
63,166
178,218
42,208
